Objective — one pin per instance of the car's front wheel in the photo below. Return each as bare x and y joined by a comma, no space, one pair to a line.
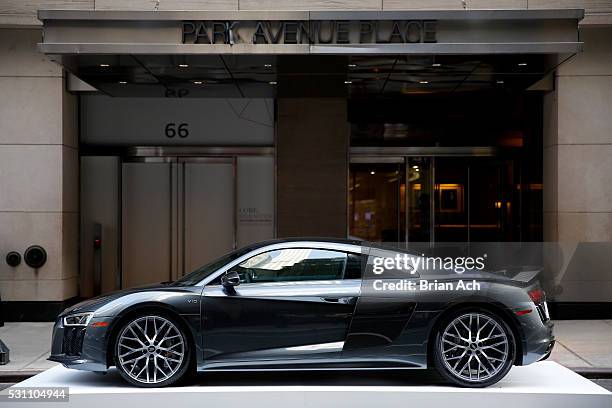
474,348
152,351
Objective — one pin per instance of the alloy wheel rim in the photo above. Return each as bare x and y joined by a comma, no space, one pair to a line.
151,349
474,347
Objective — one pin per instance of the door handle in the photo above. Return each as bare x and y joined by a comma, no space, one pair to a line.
347,300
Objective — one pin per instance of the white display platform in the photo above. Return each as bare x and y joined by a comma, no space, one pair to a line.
545,384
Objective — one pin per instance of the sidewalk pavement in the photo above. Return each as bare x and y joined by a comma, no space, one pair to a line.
29,345
582,345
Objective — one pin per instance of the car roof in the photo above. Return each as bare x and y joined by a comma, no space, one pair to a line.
305,239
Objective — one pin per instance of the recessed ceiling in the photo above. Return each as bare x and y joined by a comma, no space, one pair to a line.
253,76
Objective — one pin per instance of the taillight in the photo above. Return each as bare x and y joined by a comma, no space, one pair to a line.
523,312
537,295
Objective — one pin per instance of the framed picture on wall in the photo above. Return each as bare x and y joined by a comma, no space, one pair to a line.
450,197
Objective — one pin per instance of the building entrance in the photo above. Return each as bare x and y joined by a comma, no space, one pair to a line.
438,199
148,218
178,214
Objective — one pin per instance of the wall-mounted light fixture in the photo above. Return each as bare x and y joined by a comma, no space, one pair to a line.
13,259
35,256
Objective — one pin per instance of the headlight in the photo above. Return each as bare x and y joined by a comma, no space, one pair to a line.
78,319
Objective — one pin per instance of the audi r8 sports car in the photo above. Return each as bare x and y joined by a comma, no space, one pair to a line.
310,304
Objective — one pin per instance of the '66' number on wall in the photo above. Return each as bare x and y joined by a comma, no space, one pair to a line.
173,129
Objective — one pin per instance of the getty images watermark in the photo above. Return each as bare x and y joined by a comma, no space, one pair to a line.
411,264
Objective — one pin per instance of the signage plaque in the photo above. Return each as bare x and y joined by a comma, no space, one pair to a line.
309,32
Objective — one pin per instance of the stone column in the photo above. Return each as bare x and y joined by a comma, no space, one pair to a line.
312,165
578,161
38,173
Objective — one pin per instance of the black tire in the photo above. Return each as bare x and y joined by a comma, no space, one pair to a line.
175,369
445,360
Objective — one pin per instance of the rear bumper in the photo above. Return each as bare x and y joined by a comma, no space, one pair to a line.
549,352
539,339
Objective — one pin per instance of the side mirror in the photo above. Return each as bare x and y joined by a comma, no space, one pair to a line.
230,279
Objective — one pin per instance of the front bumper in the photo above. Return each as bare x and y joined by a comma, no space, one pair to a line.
81,348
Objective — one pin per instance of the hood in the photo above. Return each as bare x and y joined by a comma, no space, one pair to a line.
94,303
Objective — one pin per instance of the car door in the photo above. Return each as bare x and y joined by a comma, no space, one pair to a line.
292,303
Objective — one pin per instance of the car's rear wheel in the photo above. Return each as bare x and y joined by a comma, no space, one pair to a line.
152,351
474,348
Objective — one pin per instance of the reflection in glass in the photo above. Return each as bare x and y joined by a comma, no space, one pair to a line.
419,198
446,199
377,202
451,208
292,264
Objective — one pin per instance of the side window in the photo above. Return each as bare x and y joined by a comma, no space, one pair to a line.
353,267
292,264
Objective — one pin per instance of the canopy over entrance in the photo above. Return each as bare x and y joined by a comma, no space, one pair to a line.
310,32
266,54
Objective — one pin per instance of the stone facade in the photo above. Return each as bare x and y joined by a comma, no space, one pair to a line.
577,159
17,12
38,170
39,141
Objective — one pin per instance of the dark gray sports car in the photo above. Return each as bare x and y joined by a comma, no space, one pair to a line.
310,304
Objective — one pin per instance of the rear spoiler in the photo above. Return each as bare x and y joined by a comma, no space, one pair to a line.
527,275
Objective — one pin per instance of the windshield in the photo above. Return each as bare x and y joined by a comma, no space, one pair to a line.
201,273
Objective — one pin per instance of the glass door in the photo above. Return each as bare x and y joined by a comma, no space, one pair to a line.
493,201
451,199
474,199
419,198
433,199
377,193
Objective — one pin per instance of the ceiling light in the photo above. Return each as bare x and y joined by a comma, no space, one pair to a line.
436,65
123,82
372,172
522,64
273,82
417,170
348,82
183,65
268,65
104,65
500,82
351,65
423,82
198,82
415,167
